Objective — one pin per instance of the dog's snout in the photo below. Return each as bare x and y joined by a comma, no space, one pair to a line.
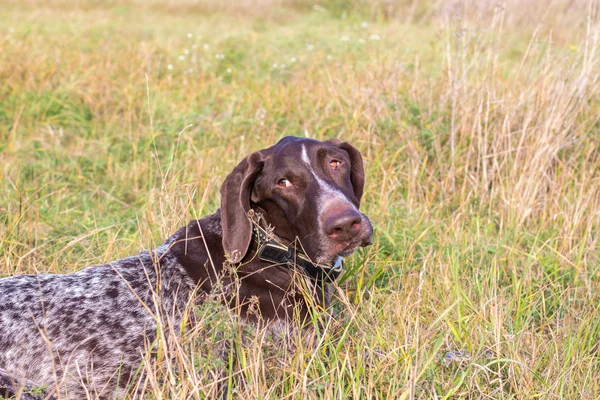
343,226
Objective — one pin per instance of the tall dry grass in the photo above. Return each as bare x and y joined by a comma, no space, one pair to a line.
479,126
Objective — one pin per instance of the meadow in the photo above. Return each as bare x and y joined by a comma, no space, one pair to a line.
479,124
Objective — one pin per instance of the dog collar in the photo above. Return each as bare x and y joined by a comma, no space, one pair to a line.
274,252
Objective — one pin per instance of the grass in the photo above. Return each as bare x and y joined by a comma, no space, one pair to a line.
479,124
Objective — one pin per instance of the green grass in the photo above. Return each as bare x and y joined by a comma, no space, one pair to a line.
479,126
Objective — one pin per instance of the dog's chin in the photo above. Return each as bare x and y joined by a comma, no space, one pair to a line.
341,250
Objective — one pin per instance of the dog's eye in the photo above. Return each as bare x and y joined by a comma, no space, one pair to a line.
335,164
284,183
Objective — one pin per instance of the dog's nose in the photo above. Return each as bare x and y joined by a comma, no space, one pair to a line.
343,226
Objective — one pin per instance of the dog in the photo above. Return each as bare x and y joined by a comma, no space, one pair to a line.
287,210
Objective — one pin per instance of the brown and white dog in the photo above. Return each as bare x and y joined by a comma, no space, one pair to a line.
293,207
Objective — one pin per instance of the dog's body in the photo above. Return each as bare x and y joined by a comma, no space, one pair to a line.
56,328
85,333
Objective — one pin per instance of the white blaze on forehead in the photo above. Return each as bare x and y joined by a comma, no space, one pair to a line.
328,193
306,159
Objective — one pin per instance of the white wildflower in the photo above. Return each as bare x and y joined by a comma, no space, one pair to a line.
374,37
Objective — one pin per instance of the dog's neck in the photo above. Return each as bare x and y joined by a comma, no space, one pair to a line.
275,286
269,249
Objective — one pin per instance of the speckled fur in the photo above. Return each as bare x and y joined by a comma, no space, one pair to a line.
88,330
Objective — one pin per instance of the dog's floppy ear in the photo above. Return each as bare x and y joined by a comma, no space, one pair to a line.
357,172
235,205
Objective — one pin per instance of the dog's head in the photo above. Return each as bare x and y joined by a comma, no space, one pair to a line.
308,191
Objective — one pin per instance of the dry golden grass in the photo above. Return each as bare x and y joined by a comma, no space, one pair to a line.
479,124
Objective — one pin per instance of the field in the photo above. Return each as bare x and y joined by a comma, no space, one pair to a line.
479,123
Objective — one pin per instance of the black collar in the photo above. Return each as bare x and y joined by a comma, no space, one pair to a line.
272,251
